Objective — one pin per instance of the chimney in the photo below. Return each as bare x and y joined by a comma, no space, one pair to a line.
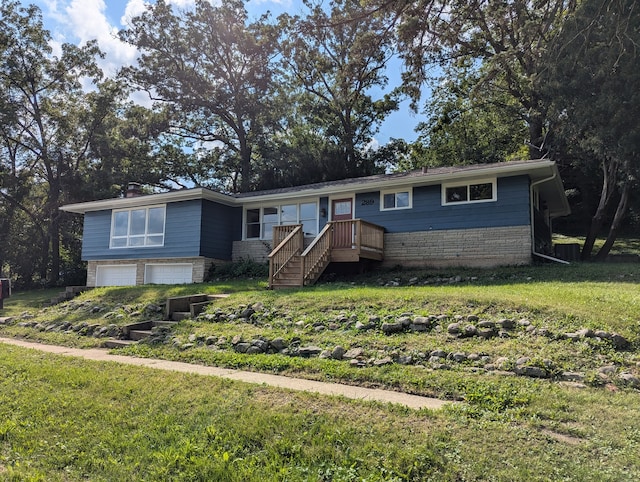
134,189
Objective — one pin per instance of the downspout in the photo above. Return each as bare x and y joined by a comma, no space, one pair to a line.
533,221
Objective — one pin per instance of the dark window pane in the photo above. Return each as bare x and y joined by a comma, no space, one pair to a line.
389,201
479,192
456,194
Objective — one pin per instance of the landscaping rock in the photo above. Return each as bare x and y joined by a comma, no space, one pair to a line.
262,345
506,323
309,351
459,357
405,360
585,333
353,353
247,312
534,372
338,353
502,363
384,361
572,376
469,331
439,353
619,341
608,370
242,347
454,328
630,379
486,332
278,344
390,328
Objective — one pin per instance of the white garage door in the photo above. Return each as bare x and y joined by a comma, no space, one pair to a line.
168,274
121,275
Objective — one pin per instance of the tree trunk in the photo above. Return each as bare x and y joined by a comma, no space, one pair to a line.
606,195
621,210
536,148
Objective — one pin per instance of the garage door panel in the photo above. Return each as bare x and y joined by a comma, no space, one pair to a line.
175,273
117,275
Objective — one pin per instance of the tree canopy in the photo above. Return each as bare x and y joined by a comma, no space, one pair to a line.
241,103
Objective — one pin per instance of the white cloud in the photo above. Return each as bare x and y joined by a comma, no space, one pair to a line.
132,9
86,20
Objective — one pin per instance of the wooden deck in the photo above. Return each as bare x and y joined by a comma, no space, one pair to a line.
339,242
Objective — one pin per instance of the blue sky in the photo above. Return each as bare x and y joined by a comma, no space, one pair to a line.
78,21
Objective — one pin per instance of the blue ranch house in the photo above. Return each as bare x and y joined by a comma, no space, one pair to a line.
481,215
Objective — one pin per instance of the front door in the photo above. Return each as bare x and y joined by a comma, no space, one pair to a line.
342,211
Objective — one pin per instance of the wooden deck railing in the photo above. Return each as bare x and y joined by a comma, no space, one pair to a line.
340,241
317,255
289,247
281,232
369,236
359,235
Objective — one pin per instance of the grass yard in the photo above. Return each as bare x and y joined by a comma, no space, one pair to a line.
579,420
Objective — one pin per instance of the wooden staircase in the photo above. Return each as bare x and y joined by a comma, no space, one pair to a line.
290,265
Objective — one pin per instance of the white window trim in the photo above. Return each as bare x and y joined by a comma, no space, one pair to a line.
395,192
146,208
494,191
278,205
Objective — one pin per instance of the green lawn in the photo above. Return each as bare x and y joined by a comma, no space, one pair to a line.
76,420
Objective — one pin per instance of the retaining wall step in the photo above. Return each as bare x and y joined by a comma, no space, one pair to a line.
118,343
180,315
136,335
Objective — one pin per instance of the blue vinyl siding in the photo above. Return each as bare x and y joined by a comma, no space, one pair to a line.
510,209
181,235
221,225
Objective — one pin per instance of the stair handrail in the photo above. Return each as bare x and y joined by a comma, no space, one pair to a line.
284,252
316,253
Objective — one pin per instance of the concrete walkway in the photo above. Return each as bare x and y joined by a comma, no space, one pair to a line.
334,389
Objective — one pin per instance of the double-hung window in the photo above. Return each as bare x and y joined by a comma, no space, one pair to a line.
259,222
483,191
395,200
139,227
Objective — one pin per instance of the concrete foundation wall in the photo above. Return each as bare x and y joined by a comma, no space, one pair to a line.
479,247
253,249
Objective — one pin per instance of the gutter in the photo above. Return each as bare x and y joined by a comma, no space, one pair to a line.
533,221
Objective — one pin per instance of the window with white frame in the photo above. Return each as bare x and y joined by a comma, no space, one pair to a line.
395,200
259,222
483,191
139,227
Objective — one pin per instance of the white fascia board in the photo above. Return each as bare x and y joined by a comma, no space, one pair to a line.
150,199
535,169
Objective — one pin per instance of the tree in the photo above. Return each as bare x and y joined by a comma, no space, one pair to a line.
216,72
46,125
508,39
338,62
469,123
593,84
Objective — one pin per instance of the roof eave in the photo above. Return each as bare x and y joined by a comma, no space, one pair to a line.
150,199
